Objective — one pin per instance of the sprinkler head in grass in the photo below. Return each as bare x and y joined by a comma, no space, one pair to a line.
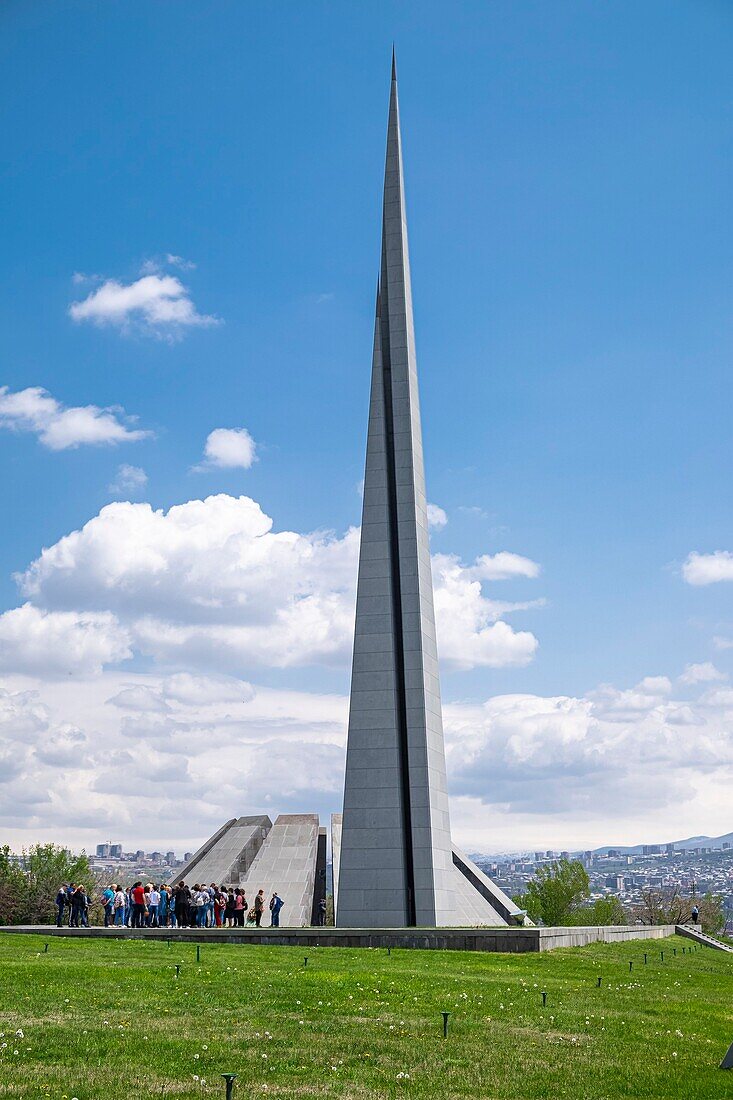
662,955
305,961
674,952
45,950
645,958
544,998
178,970
445,1016
631,965
600,982
389,950
230,1078
198,952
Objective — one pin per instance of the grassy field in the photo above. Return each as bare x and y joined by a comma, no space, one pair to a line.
95,1020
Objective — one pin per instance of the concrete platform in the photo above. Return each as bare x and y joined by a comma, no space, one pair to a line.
515,940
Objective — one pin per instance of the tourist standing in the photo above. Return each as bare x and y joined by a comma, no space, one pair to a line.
220,900
163,908
119,905
259,907
108,897
695,914
230,908
137,896
181,898
153,906
322,911
276,904
60,905
78,902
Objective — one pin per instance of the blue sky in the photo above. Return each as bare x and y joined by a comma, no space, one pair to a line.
568,175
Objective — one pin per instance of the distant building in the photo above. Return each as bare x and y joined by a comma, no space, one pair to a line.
669,848
537,857
103,851
115,850
139,854
170,857
726,846
564,855
651,850
549,854
187,857
613,853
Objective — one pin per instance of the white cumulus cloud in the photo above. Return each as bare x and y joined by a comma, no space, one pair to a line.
437,518
704,673
701,569
211,584
156,303
33,640
61,427
229,448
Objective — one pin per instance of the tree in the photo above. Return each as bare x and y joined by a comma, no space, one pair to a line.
668,906
45,867
556,892
603,911
12,887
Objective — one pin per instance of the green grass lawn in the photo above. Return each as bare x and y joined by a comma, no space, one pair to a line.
97,1020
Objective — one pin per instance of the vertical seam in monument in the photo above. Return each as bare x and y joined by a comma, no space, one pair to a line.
396,594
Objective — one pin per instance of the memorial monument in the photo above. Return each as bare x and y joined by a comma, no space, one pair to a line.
394,863
397,865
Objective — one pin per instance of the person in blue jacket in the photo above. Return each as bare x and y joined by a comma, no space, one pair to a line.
276,904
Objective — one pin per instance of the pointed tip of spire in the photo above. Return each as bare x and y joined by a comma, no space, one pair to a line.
394,64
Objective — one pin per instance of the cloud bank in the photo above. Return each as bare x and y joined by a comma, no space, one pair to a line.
210,583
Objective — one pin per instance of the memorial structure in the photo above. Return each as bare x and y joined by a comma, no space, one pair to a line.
394,863
397,866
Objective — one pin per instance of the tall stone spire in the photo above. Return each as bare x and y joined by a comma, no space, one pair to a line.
396,863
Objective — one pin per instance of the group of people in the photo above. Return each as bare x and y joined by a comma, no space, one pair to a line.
159,906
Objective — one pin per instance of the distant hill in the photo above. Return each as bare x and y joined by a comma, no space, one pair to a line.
682,845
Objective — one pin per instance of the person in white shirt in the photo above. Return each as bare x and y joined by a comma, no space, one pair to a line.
153,903
119,904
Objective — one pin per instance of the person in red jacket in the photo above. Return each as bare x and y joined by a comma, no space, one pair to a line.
138,905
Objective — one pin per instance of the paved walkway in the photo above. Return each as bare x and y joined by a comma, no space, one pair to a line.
693,932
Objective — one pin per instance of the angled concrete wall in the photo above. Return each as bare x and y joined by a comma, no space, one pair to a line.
287,863
227,856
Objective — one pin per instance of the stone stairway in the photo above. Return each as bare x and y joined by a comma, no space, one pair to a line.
692,931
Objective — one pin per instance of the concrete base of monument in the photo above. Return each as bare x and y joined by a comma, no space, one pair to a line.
513,940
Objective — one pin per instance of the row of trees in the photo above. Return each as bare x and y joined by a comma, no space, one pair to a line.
29,883
559,894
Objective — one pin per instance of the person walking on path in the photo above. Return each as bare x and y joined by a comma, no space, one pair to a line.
695,914
276,904
259,907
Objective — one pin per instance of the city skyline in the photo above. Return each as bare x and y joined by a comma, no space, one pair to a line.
188,282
